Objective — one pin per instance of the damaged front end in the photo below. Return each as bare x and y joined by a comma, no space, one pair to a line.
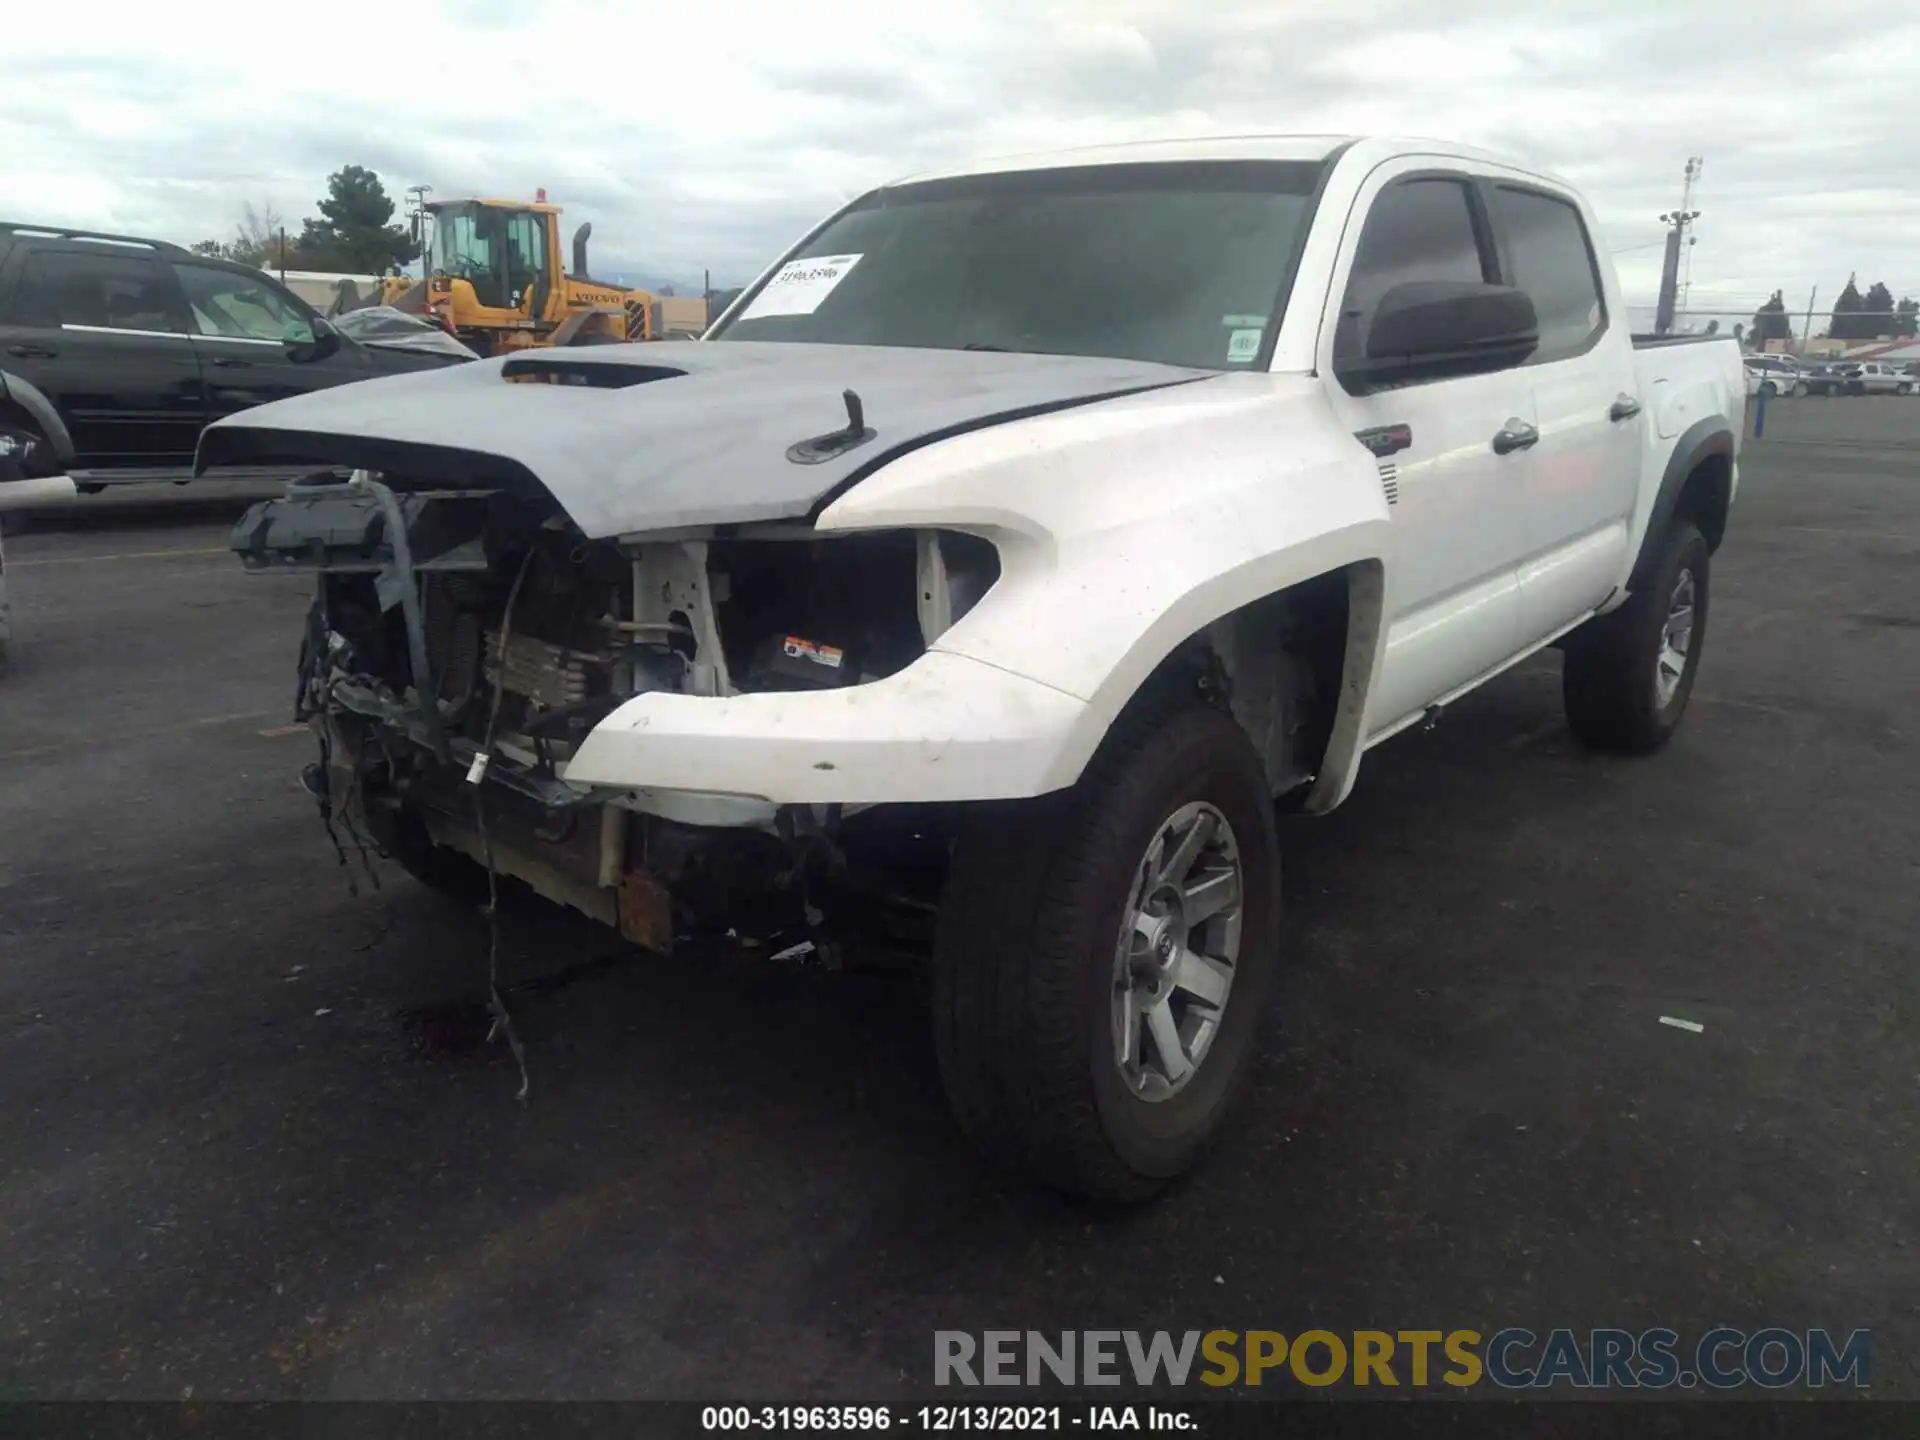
463,643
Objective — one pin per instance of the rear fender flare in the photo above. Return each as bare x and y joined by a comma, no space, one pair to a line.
1701,441
30,399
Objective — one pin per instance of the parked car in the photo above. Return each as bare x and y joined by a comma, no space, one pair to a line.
1879,377
115,351
1860,377
1772,375
1071,510
1827,378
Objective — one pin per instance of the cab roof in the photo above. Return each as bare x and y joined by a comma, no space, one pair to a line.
540,207
1218,147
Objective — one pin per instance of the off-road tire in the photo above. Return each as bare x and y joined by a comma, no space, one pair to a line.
1025,950
1608,683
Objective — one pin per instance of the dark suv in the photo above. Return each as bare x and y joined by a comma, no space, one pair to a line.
116,351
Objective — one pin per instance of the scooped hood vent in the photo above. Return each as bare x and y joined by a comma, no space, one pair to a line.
598,374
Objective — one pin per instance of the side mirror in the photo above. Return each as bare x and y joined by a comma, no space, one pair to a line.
326,341
1430,329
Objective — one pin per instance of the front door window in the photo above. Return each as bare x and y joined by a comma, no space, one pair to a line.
227,305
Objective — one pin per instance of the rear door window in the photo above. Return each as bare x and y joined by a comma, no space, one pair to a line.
1553,262
98,291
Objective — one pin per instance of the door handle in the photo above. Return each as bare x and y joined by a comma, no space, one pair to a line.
1514,435
1624,407
32,351
227,362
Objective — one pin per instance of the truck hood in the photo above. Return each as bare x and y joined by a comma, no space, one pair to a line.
630,438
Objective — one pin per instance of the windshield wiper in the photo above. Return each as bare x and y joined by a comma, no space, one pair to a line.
976,345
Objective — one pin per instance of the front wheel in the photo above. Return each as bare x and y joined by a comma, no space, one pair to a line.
1103,958
1629,673
1768,389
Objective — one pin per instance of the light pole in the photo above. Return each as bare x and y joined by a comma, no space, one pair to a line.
1679,220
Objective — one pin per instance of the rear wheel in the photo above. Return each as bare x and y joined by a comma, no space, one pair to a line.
1103,959
1629,674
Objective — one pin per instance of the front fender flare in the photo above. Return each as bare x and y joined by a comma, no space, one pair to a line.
41,410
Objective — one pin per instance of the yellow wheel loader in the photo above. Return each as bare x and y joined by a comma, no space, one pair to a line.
494,278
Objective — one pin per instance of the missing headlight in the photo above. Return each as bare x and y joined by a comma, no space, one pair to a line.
818,613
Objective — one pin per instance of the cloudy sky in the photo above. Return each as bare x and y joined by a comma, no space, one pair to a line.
709,134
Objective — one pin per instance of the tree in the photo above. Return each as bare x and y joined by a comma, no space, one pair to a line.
1739,332
352,231
256,237
1770,323
1845,322
1876,318
1713,327
1906,319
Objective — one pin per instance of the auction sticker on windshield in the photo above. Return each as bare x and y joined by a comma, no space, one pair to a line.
800,286
1242,346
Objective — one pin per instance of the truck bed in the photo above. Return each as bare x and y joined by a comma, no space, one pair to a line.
1654,342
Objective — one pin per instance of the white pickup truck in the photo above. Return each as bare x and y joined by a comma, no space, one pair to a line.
1001,556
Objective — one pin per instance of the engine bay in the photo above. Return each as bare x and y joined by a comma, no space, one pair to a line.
462,644
527,626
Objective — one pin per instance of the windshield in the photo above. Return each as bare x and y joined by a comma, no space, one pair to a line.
461,244
1185,264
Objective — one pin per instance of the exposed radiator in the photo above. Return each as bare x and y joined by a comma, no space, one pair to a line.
450,606
551,676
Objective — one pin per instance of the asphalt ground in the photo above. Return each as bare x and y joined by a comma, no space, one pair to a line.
255,1146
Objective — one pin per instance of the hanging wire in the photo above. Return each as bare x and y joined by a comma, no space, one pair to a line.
497,1007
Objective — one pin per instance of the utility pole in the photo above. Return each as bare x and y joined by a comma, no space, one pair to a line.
1678,241
1806,331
